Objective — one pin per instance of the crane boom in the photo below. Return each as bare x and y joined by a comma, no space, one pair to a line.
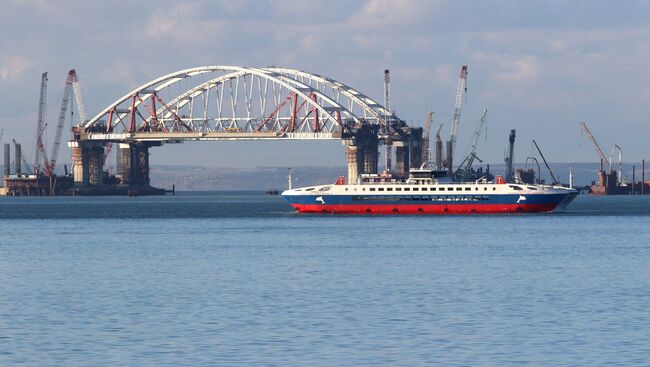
545,163
599,150
477,133
460,94
77,93
40,124
65,102
466,165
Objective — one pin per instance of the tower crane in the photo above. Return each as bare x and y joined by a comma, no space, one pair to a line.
426,150
460,95
466,165
40,125
599,150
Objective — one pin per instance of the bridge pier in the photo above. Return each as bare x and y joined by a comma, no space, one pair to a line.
402,159
88,163
134,164
361,151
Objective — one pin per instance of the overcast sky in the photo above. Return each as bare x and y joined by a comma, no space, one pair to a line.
540,67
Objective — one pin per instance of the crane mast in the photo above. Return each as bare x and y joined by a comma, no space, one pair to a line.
40,125
77,93
599,150
460,94
389,149
65,102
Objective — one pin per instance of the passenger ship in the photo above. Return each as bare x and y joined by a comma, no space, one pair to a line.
422,194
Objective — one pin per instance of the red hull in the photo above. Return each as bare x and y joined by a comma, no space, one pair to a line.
424,209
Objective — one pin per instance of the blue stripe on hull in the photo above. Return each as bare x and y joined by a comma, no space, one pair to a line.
429,199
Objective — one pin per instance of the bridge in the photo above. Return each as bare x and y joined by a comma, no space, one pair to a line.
238,103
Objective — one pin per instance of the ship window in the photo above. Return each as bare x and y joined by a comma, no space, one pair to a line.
363,189
433,189
407,189
468,189
442,189
459,189
398,189
416,189
309,189
476,188
531,188
517,188
494,188
346,189
485,189
380,189
326,188
372,189
389,189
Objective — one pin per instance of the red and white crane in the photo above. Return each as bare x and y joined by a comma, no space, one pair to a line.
40,125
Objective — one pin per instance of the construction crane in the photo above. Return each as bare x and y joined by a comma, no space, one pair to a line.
555,181
619,172
460,94
465,167
65,102
426,150
40,125
599,150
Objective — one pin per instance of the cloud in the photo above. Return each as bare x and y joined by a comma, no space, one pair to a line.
14,66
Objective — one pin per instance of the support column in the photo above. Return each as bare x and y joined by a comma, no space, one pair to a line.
402,160
371,155
352,154
139,165
7,165
18,158
415,155
96,165
79,165
124,157
450,158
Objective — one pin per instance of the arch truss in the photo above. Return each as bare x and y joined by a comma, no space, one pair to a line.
233,102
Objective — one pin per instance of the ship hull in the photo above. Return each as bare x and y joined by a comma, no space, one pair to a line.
469,204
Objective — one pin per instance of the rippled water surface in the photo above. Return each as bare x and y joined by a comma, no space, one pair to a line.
239,279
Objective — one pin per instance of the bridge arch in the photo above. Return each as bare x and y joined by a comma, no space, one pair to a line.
235,99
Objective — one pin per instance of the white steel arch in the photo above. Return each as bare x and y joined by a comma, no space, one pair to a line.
237,99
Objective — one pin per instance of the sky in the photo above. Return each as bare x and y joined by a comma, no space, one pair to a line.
540,67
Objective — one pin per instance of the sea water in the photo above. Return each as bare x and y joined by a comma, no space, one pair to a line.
232,279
